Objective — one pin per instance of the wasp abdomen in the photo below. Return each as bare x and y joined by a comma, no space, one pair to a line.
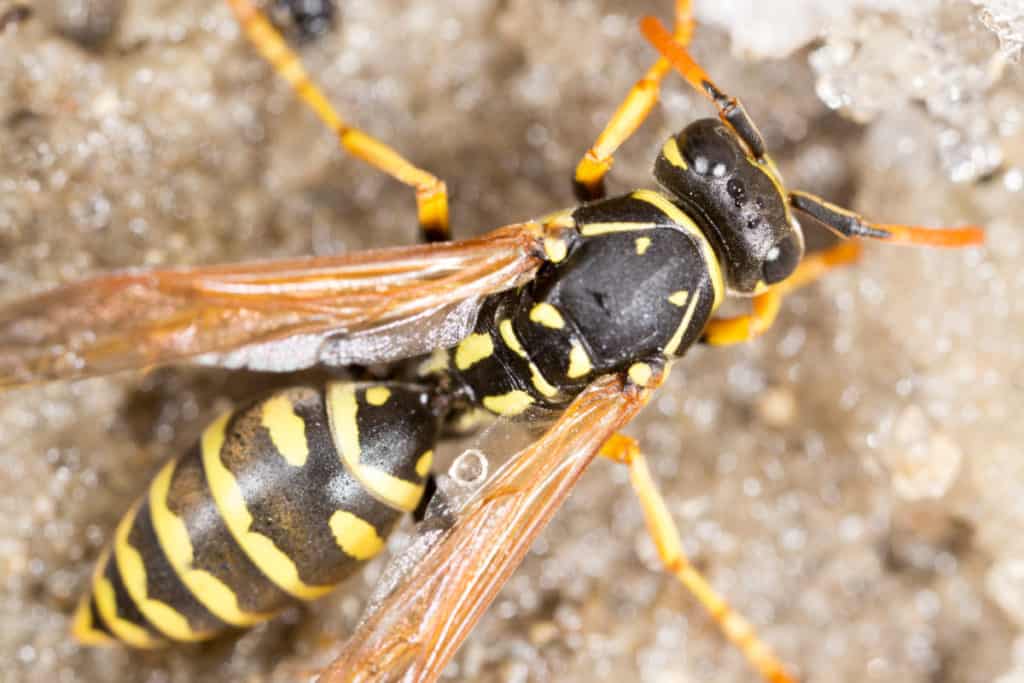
279,501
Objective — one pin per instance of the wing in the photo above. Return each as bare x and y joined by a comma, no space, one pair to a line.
147,318
419,626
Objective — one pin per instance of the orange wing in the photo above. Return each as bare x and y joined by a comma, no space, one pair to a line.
418,627
366,306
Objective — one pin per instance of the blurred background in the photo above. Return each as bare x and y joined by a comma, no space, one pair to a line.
853,482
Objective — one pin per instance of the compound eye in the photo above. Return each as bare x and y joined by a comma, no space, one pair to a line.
782,259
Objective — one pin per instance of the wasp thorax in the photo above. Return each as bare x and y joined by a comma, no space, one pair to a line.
739,200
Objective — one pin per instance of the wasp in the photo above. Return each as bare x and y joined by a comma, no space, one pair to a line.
572,320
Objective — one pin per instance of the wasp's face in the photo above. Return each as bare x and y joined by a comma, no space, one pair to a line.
741,200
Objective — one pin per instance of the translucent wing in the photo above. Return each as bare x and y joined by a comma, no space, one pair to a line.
231,314
419,627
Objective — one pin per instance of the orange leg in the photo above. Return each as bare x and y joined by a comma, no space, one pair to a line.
846,223
588,182
431,192
726,331
730,109
738,630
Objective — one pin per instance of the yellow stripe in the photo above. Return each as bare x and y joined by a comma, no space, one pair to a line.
163,616
642,245
547,315
511,404
228,496
677,336
424,463
579,362
172,534
342,410
508,335
679,217
287,430
106,604
540,383
593,229
671,152
357,537
473,349
377,396
84,630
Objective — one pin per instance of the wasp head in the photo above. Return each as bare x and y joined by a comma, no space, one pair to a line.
738,201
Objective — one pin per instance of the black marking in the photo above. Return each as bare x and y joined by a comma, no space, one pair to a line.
586,193
162,582
393,436
124,605
214,549
292,506
98,623
309,19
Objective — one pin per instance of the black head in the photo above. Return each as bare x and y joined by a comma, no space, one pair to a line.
741,201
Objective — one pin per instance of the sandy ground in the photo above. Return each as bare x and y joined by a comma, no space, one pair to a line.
853,482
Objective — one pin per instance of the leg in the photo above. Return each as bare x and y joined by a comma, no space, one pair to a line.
846,223
727,331
663,530
431,192
588,182
730,109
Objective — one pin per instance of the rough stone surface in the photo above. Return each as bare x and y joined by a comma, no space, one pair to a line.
160,138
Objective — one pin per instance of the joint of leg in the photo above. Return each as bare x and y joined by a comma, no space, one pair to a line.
621,448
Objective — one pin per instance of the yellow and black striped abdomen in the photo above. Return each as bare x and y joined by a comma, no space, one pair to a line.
278,501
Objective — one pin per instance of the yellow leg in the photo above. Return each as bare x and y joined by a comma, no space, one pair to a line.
726,331
431,192
588,182
738,630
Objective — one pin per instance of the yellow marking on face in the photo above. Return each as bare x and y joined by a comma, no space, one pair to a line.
540,383
593,229
642,244
357,537
162,616
287,430
425,462
679,298
511,404
473,349
670,150
677,336
579,362
172,534
547,315
342,411
640,373
436,362
508,335
377,396
760,288
84,630
106,604
228,496
679,217
555,249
